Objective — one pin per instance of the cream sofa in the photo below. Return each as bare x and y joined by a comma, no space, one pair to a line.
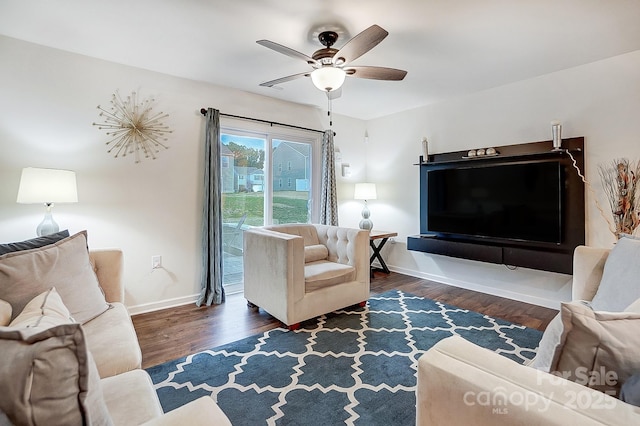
299,271
461,383
114,383
112,340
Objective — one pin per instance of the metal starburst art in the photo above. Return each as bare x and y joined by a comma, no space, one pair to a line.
133,128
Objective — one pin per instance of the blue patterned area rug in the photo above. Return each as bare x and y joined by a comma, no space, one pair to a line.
355,366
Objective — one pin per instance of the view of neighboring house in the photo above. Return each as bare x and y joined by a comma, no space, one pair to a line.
249,179
256,180
291,170
227,169
291,167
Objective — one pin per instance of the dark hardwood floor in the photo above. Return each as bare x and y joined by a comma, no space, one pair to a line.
175,332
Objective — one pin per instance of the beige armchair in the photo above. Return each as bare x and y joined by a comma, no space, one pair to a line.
299,271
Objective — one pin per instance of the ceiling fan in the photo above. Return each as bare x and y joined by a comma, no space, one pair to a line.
331,66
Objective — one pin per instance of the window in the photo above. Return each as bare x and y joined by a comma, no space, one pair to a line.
259,194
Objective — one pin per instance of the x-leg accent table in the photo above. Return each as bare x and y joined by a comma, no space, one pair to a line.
379,235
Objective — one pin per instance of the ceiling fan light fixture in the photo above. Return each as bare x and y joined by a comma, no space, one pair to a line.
331,65
328,78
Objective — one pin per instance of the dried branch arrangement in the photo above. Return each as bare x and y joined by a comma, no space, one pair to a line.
620,183
133,128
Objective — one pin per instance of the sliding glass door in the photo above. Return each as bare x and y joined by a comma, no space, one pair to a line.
266,179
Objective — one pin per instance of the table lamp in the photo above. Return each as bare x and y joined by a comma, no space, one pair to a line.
365,191
47,186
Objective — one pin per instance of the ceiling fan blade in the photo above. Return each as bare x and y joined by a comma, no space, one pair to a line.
284,79
359,45
288,51
376,73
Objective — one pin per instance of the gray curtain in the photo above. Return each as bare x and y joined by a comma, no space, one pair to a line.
329,197
211,276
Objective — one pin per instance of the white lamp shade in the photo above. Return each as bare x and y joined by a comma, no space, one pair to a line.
47,186
365,191
328,78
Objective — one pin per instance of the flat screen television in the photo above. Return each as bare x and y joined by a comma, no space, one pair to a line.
520,202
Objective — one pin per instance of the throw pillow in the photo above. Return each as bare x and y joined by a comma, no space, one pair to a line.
5,313
597,349
38,242
620,284
547,346
630,392
64,265
48,377
315,252
551,340
634,307
44,310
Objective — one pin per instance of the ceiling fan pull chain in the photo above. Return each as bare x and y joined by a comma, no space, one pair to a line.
329,112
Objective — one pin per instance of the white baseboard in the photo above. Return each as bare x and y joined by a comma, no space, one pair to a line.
547,302
162,304
552,303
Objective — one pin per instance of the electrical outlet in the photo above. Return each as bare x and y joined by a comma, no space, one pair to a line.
156,262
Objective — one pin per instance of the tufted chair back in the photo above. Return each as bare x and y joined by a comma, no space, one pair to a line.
307,231
336,239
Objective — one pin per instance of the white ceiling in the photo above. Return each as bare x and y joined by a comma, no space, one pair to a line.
448,47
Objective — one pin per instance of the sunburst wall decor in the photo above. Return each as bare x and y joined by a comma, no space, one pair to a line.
133,128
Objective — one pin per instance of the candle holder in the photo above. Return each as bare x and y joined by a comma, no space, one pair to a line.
425,150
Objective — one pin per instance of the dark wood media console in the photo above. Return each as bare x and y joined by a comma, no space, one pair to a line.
542,259
548,256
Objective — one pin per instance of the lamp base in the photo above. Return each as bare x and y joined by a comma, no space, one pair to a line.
366,223
48,225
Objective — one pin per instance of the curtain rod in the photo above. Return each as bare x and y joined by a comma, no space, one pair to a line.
203,111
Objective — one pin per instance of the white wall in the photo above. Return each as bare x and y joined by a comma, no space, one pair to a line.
47,106
599,101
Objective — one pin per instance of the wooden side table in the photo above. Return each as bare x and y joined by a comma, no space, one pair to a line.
384,237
